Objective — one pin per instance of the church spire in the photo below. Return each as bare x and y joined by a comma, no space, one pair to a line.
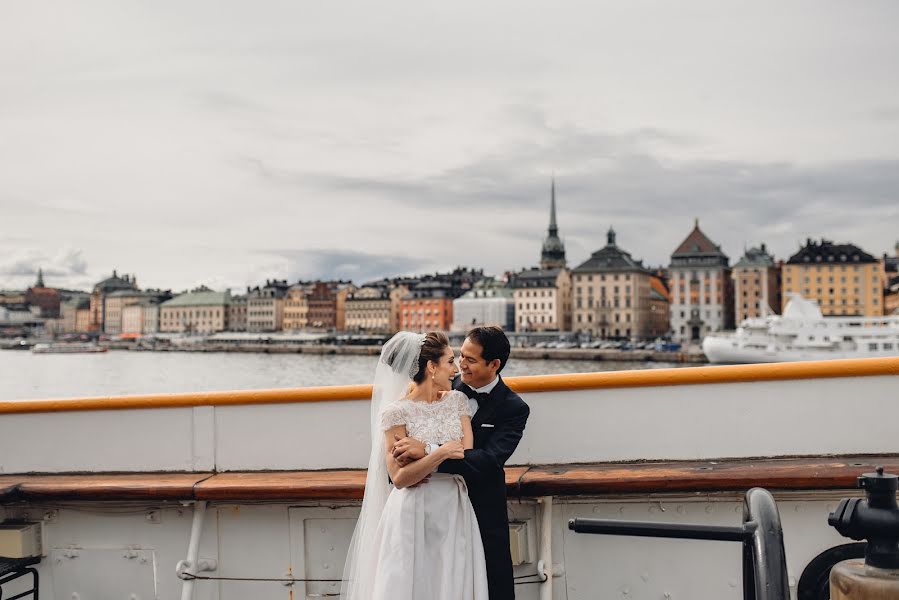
40,278
553,228
553,255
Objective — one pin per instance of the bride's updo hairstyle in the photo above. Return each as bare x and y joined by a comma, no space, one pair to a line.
432,349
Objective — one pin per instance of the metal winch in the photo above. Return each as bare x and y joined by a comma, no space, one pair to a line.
874,518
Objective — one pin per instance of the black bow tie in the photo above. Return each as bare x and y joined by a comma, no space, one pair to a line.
479,397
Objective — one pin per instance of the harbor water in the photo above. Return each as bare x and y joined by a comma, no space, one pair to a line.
24,375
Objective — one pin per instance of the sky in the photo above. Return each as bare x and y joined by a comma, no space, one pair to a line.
225,143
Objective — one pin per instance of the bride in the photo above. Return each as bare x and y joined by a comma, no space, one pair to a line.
416,539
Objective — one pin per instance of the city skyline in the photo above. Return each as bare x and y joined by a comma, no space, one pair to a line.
221,144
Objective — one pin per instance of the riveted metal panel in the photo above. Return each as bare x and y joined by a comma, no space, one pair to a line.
326,542
101,573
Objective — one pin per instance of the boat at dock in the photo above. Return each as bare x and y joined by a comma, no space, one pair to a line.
802,333
66,348
254,493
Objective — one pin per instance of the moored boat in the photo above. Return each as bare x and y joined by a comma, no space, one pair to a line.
802,333
66,348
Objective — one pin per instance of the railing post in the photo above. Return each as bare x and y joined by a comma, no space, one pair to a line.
764,559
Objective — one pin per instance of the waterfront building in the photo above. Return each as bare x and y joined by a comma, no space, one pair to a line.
552,255
659,305
397,293
842,278
489,302
342,291
322,299
10,297
757,285
542,299
237,313
141,318
98,298
48,299
428,307
891,290
75,313
701,288
368,309
115,303
265,306
891,263
20,314
201,311
296,307
615,296
891,296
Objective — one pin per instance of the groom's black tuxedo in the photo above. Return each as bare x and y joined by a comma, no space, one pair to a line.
497,425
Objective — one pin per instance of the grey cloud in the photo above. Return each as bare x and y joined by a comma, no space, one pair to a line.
347,264
614,179
886,113
65,269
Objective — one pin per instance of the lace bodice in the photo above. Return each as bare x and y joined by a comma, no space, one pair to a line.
436,422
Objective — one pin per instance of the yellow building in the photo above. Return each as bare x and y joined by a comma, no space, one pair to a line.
842,278
296,308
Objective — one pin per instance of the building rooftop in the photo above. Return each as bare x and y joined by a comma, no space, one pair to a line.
115,282
697,244
827,251
199,299
610,258
534,278
488,288
756,257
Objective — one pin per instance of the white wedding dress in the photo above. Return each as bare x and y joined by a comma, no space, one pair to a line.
427,545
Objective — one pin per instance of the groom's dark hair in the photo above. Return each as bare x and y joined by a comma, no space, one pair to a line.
494,342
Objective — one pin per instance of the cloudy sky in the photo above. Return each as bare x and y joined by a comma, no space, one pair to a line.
228,142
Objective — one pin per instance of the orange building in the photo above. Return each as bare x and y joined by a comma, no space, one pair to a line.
428,307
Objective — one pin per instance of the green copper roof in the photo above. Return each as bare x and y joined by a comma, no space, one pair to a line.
199,299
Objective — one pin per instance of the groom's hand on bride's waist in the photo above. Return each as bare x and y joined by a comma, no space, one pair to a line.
407,450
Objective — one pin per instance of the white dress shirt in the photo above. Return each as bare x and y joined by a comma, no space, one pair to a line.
486,389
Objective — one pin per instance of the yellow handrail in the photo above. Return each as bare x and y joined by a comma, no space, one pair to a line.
856,367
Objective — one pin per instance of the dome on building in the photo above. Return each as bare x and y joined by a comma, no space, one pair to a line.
114,283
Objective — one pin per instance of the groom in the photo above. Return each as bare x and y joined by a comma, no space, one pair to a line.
498,423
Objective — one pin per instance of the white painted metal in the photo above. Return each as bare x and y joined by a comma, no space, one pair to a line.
106,542
800,417
203,442
545,566
115,440
192,564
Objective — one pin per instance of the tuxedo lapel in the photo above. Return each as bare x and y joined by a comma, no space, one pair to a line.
486,411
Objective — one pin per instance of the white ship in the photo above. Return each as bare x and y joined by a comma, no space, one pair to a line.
254,494
802,333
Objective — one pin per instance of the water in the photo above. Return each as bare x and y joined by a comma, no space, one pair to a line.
24,375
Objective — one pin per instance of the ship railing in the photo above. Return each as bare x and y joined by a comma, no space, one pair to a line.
764,559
